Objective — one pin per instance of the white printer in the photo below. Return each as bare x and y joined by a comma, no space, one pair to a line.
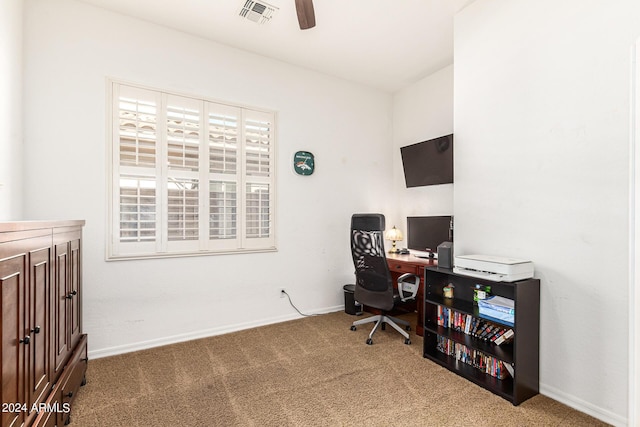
495,268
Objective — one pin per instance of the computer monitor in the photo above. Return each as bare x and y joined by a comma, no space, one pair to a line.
425,233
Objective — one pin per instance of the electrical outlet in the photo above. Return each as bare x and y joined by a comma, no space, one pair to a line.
281,291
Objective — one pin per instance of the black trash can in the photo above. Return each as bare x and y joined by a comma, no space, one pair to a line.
351,306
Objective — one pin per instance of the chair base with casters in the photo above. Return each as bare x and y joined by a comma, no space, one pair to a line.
407,289
383,319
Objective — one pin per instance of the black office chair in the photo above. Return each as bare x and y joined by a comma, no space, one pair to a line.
374,284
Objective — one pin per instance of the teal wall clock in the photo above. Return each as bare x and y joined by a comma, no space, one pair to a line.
303,163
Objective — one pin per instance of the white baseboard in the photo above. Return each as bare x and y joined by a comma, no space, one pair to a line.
158,342
583,406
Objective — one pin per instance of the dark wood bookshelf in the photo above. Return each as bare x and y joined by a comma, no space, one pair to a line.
522,353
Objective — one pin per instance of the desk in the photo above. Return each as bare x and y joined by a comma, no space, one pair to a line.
400,264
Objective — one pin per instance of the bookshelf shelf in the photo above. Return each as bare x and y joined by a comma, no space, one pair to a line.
503,388
442,342
503,352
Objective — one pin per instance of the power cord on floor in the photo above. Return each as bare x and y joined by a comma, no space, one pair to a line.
292,305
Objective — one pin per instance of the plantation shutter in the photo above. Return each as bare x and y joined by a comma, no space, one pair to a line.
224,174
183,135
189,176
259,163
135,127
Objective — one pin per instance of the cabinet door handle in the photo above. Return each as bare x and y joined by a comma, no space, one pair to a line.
25,340
36,329
70,394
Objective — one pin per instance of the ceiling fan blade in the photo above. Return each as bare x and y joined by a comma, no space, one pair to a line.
306,15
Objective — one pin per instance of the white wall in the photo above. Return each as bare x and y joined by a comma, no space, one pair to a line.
71,48
421,111
541,171
542,94
11,188
634,246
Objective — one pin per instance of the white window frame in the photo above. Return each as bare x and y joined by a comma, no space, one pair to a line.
255,132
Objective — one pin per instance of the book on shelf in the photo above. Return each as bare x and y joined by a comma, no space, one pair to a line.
489,331
477,327
468,322
497,335
505,337
509,368
479,360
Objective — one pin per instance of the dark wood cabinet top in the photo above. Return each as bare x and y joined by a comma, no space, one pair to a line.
19,230
11,226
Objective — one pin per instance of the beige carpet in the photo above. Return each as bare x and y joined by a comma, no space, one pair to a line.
308,372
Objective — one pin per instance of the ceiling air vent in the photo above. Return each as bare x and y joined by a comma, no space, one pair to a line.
257,11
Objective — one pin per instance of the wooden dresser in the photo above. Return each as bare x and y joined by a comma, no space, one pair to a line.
43,350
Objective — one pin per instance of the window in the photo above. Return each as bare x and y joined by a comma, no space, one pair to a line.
188,176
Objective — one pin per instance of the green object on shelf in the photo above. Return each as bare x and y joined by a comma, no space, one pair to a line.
447,291
481,292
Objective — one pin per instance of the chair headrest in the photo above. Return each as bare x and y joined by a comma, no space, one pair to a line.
367,222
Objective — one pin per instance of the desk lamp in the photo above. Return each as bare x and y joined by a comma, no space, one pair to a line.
394,235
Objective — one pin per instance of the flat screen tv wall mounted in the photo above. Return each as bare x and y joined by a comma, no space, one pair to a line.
428,162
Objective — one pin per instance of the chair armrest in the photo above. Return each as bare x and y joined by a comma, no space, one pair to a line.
408,283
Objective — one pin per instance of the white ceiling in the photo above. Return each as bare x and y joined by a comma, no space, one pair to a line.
386,44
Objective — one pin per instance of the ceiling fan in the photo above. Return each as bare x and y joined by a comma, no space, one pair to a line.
306,15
